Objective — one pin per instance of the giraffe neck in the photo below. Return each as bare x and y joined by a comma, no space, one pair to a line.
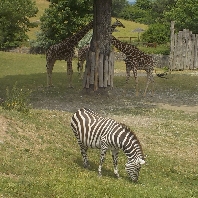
80,34
123,47
113,27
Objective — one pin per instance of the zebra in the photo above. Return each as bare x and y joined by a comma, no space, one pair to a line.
94,131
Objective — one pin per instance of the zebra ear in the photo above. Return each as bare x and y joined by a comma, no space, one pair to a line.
141,161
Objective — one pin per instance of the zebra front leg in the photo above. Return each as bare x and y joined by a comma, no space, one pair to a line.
115,162
102,159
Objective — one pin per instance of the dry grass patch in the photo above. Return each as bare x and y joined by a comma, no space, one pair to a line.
3,127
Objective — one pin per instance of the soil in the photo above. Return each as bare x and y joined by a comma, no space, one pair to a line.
118,98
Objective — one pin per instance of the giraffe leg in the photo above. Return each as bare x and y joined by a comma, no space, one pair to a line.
147,83
49,73
69,72
149,79
81,69
136,81
127,73
49,78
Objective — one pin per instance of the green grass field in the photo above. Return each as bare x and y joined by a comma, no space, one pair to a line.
40,156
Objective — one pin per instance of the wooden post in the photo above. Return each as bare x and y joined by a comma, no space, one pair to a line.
171,61
196,51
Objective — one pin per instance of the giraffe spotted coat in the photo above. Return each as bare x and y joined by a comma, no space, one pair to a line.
135,60
64,51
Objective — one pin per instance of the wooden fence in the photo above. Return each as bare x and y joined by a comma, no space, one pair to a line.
184,50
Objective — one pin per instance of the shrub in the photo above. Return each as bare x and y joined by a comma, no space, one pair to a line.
158,33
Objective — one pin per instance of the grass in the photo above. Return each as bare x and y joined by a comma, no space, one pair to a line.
40,156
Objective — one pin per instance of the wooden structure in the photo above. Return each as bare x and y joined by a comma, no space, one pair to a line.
127,37
104,68
184,50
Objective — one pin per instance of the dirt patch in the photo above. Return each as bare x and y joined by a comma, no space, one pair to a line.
185,108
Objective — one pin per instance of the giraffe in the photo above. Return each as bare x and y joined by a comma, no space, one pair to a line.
64,51
135,60
82,52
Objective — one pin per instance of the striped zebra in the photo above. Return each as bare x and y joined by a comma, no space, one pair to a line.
94,131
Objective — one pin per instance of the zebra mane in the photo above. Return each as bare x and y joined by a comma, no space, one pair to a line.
127,129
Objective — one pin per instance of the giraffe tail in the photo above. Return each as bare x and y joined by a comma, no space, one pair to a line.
78,66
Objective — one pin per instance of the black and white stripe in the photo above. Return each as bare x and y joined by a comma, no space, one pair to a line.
94,131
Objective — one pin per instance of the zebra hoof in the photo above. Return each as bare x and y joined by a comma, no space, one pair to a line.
87,166
117,175
99,175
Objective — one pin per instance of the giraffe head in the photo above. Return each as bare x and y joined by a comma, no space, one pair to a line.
118,24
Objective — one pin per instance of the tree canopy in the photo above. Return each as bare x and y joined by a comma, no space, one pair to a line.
62,19
185,15
14,21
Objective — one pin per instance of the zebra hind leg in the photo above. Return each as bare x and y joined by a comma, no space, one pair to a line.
115,162
83,150
102,159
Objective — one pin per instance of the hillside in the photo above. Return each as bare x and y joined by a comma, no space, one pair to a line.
127,32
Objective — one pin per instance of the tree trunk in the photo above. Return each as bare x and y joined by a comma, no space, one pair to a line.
99,67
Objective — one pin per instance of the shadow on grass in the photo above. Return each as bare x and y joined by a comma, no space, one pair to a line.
107,172
118,100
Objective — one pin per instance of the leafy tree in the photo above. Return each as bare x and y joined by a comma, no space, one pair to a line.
61,20
158,33
147,11
14,21
134,13
118,6
144,4
185,15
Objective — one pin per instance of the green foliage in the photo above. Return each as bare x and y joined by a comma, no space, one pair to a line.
85,40
134,13
17,99
117,7
61,20
158,33
185,15
160,49
14,21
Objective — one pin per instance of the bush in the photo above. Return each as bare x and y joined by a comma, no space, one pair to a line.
158,33
17,99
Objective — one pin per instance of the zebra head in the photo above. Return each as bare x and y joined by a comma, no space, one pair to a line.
133,168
